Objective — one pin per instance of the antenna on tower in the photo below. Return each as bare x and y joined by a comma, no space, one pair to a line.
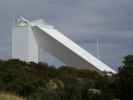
98,48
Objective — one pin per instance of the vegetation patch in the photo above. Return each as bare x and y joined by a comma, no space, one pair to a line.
43,82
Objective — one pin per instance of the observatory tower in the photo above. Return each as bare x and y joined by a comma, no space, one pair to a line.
24,44
29,36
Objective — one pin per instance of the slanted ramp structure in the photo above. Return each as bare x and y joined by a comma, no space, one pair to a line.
28,37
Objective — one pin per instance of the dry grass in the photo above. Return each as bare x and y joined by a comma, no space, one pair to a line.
6,96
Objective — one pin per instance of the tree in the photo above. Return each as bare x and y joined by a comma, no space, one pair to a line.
125,78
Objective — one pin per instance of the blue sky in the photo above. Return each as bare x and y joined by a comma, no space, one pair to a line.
84,21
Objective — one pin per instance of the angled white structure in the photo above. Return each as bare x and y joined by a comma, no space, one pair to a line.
28,37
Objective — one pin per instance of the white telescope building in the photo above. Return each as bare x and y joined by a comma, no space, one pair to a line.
29,36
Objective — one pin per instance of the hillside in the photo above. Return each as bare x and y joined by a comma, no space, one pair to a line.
41,81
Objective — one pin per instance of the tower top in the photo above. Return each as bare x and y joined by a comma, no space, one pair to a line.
21,21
